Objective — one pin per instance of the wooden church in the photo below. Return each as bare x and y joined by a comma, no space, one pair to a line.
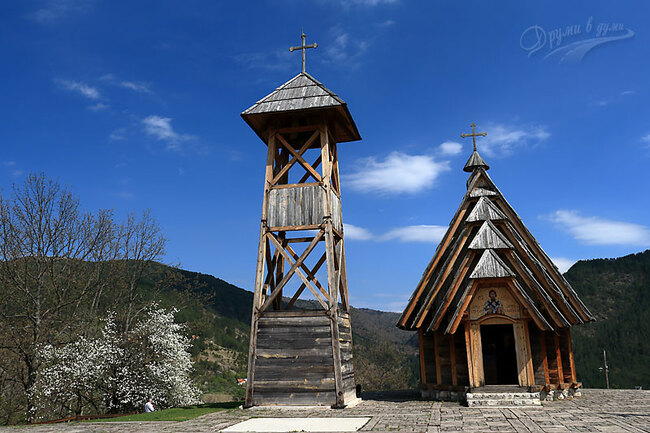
491,307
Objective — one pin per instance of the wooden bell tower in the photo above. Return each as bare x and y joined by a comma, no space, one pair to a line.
301,351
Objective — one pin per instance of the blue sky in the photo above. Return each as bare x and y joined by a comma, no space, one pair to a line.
136,105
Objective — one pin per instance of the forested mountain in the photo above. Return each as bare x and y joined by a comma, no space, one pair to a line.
617,291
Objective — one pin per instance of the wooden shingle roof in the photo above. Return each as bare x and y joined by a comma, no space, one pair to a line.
487,241
302,98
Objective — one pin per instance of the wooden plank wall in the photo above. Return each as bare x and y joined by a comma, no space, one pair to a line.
461,359
293,360
429,359
538,355
301,206
347,365
549,339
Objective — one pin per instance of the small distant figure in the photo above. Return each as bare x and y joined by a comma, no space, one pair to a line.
148,407
241,382
493,305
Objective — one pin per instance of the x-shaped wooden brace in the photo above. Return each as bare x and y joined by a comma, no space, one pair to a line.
312,275
297,157
295,268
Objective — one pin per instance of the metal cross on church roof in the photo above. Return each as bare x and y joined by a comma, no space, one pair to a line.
303,47
474,134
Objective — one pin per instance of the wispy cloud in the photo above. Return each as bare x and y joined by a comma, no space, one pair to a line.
344,50
135,86
55,10
597,231
450,148
12,168
82,89
628,92
503,140
646,139
563,263
98,106
278,60
161,129
356,233
118,134
367,2
416,233
398,173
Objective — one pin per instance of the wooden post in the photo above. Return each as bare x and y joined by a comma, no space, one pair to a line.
542,344
477,354
468,351
522,349
452,357
423,371
437,354
571,360
259,272
558,357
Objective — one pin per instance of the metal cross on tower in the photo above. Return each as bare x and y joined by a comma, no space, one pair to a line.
474,134
303,47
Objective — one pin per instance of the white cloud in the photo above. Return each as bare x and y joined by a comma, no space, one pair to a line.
368,2
161,129
398,173
563,263
418,233
356,233
135,86
81,88
343,50
450,148
98,107
12,168
627,92
598,231
118,135
55,10
646,138
502,140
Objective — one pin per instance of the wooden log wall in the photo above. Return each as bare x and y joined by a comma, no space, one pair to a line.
293,362
444,359
538,355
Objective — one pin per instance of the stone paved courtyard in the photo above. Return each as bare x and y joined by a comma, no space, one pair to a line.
595,411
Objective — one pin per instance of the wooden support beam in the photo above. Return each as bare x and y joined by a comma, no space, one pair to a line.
297,156
571,360
315,166
259,272
468,351
423,368
542,343
294,269
558,357
477,355
303,286
452,357
300,184
437,355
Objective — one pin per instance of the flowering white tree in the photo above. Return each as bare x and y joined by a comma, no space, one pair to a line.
119,372
156,364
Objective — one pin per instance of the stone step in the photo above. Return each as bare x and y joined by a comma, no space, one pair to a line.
503,399
504,402
498,395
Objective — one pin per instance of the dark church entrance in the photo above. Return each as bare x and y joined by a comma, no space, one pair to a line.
499,357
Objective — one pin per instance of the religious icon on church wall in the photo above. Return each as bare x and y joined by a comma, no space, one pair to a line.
494,300
493,305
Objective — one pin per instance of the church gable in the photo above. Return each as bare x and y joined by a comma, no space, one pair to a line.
484,224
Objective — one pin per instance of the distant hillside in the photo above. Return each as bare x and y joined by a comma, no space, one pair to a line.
218,314
617,291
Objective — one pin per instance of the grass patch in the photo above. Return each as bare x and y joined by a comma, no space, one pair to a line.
175,413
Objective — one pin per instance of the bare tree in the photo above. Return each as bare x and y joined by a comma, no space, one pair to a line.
59,266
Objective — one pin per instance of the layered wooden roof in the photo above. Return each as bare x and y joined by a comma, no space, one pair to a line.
302,96
487,242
